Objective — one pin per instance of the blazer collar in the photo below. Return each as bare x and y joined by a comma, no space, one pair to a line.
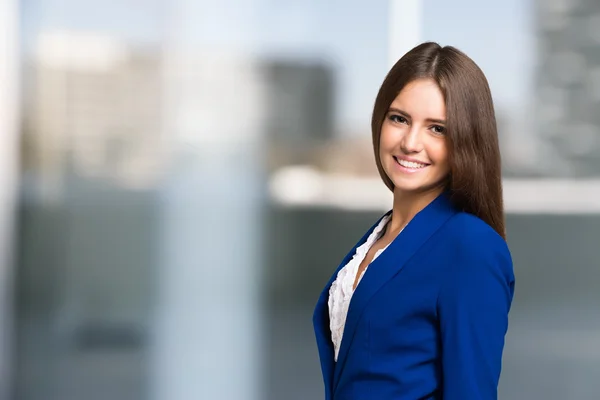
321,319
387,265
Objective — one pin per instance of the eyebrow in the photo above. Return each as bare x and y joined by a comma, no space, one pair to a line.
407,115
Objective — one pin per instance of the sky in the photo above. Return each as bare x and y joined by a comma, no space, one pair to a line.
349,35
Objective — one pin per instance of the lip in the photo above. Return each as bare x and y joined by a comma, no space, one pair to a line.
408,170
404,158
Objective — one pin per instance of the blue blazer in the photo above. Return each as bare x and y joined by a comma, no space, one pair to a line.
429,317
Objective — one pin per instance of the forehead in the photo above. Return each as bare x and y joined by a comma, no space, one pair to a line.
421,98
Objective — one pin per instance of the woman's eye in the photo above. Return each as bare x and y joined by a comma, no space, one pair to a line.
398,118
440,130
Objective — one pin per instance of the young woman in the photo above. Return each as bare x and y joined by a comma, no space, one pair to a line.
418,309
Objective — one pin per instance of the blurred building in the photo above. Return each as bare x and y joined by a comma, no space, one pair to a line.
299,109
567,82
94,110
88,246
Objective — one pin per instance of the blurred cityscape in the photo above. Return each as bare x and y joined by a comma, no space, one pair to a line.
181,205
567,87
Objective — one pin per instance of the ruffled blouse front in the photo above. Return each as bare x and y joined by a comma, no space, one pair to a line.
341,290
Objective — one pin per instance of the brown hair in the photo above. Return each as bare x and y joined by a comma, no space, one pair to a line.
475,183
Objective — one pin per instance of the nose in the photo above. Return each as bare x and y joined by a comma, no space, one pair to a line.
411,142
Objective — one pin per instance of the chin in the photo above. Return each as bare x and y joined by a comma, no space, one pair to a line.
418,186
413,189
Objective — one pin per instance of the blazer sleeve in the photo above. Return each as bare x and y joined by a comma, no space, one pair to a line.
473,307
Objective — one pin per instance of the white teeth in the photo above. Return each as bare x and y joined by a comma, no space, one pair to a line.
410,164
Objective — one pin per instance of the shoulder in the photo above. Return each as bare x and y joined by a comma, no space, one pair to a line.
475,248
472,235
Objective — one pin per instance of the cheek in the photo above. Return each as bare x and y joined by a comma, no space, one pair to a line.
438,153
384,141
388,138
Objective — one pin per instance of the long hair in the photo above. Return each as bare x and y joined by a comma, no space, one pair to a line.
475,182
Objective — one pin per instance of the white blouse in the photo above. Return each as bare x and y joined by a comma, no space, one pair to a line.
341,290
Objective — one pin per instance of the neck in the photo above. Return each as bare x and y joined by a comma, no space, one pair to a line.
407,205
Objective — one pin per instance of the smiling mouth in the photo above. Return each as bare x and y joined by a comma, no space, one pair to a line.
410,164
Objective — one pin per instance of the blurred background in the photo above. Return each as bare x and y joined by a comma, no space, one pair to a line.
180,178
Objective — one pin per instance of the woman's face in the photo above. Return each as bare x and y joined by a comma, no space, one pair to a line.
413,149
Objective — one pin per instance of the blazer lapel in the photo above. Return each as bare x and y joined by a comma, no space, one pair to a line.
388,264
321,320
